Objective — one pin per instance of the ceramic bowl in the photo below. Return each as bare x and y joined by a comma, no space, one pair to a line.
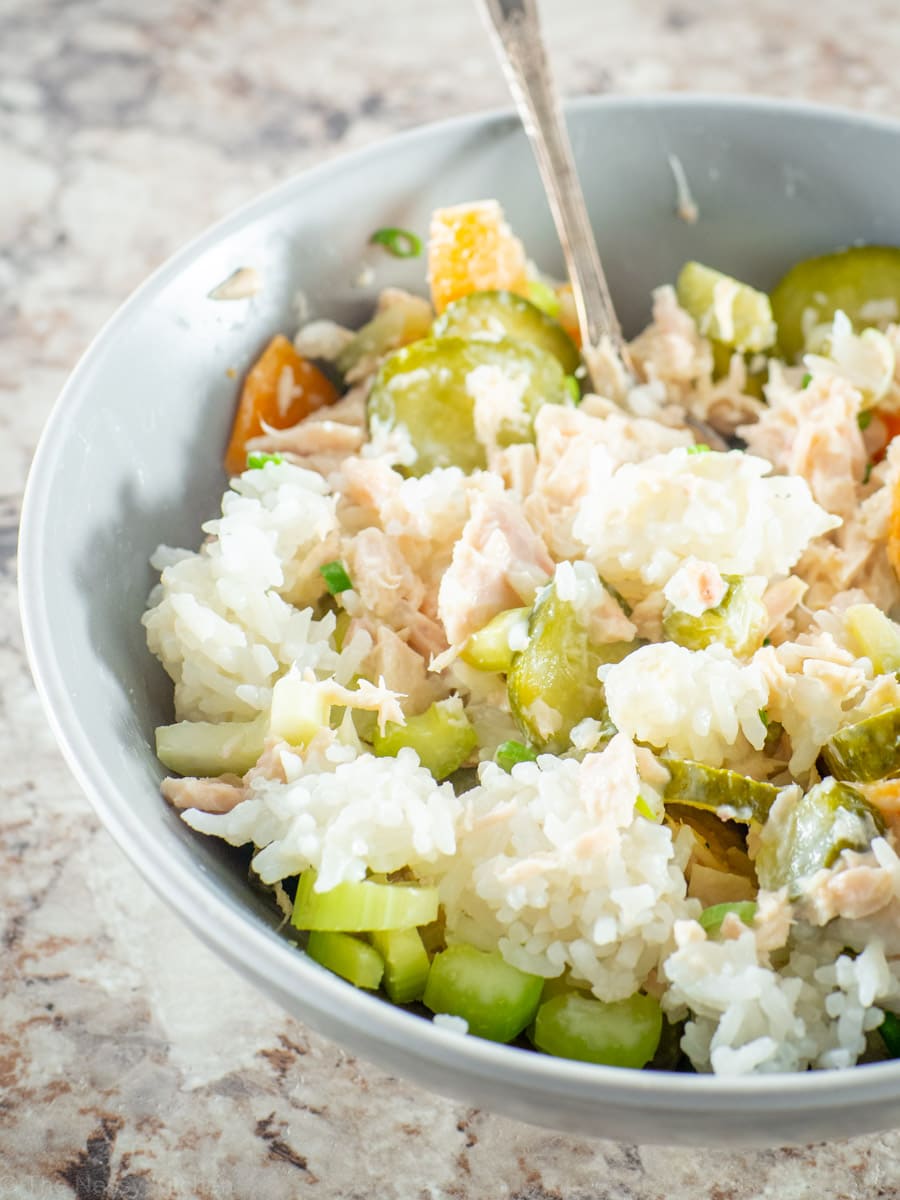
131,457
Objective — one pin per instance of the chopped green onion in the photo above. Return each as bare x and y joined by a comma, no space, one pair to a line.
257,459
510,753
365,907
712,918
867,474
806,380
399,242
336,577
347,956
864,419
574,388
764,717
890,1033
543,296
767,641
699,448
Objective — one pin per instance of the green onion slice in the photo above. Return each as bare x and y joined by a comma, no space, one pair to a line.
257,459
336,577
510,753
399,242
699,448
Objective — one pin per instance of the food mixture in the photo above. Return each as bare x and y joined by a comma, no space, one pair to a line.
540,714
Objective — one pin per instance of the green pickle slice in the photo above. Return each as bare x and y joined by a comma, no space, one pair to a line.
850,280
495,999
866,751
718,790
492,316
875,636
488,649
442,736
738,622
625,1033
423,390
731,313
552,684
830,818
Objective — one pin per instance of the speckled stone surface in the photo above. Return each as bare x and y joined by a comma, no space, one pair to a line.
133,1066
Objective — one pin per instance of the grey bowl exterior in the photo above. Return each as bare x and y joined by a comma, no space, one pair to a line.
131,457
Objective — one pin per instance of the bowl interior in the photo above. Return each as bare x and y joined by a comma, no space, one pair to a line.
132,454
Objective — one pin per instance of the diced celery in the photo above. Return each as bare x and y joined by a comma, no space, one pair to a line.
875,636
405,963
488,649
442,736
495,999
718,790
733,313
347,956
625,1033
711,918
364,907
866,751
738,622
298,711
206,748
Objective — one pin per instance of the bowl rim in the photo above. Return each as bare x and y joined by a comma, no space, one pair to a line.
269,960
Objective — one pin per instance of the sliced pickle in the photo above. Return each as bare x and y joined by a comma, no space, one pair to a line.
422,391
726,793
442,736
875,636
492,316
855,281
756,375
810,835
552,684
732,313
866,751
488,649
738,622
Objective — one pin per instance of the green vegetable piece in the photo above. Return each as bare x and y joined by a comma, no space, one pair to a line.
801,838
561,985
698,448
492,316
711,918
365,907
866,751
488,649
207,748
297,711
733,313
874,636
738,622
726,793
347,956
890,1033
552,683
510,753
495,999
406,963
813,290
622,1034
442,736
425,390
336,578
256,460
399,242
864,419
398,324
806,380
756,376
544,297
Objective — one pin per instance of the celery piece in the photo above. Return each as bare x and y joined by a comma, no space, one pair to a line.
732,313
711,918
866,751
874,636
495,999
364,907
625,1033
890,1033
406,963
738,622
298,710
510,753
347,956
717,790
561,985
205,748
442,736
488,649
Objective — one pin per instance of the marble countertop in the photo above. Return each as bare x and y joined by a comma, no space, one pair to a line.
133,1065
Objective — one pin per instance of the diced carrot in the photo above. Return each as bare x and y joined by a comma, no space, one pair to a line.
280,389
568,315
472,249
891,423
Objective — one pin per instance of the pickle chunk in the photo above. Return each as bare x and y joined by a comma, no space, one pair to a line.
717,790
442,737
738,622
863,282
875,636
732,313
552,684
492,316
866,751
427,392
808,835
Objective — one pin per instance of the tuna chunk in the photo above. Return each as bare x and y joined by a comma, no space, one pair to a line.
209,795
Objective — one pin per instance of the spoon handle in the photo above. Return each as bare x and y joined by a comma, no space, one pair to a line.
517,38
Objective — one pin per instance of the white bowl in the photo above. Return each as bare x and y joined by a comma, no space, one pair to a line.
131,457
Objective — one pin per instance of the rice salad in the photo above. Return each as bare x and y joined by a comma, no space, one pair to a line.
540,714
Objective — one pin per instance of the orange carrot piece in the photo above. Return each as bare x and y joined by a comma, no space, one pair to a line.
280,389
